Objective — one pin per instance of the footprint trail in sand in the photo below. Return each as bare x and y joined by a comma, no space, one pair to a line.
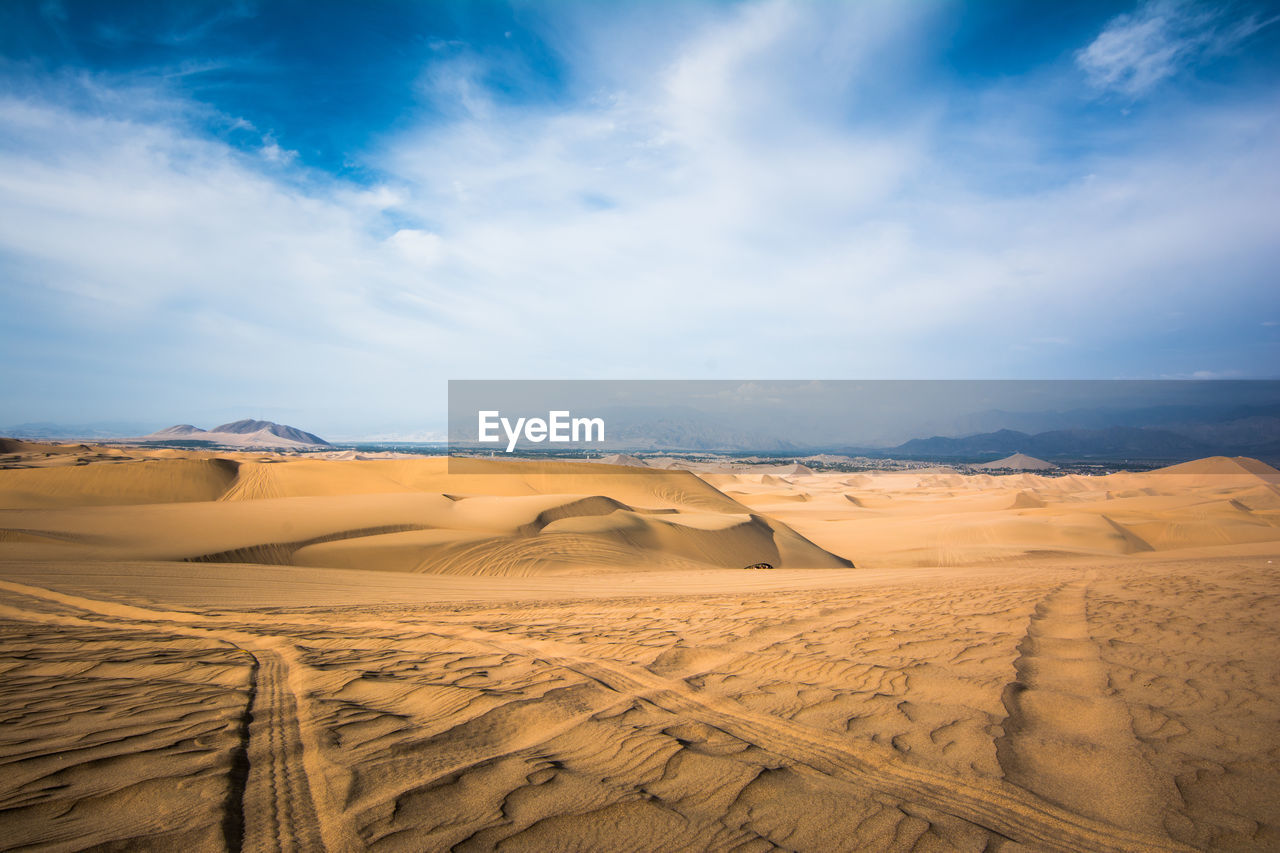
1067,737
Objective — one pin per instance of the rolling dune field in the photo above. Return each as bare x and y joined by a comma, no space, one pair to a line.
245,651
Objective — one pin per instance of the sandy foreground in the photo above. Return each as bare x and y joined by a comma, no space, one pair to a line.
254,652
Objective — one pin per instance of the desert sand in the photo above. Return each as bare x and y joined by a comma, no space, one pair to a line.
248,651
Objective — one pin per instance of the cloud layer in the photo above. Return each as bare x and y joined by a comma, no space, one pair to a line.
769,189
1162,38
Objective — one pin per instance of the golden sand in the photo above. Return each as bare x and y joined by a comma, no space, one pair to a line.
247,651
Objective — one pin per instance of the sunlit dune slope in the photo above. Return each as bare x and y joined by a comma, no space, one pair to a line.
520,517
923,518
654,488
107,482
505,518
1223,470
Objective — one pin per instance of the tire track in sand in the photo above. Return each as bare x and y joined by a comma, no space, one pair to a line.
1067,738
279,813
279,808
1009,810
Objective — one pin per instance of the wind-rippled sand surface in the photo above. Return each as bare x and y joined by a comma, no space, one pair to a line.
1015,697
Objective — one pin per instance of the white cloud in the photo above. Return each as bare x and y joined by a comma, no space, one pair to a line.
273,153
723,208
738,209
421,247
1136,52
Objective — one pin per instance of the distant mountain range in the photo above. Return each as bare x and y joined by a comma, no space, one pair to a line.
1109,443
1252,422
242,433
1156,434
1180,437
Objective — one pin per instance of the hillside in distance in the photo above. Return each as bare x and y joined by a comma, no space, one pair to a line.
1116,442
242,433
1018,462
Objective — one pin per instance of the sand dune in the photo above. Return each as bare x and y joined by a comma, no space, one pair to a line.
915,518
623,459
253,652
1027,500
515,518
1018,462
142,481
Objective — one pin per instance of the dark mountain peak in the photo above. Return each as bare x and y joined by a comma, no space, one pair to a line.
1114,442
248,426
1008,433
244,426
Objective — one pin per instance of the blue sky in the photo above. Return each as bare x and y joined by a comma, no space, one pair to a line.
319,212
